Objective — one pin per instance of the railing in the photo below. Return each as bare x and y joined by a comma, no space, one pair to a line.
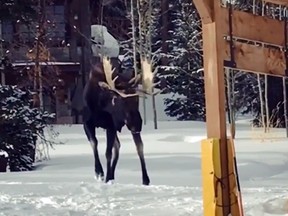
56,53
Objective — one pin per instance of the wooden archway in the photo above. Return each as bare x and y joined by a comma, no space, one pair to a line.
221,24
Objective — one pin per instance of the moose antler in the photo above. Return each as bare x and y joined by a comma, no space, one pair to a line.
148,78
110,82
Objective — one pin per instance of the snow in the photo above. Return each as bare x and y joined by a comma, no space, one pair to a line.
106,44
160,106
3,154
65,184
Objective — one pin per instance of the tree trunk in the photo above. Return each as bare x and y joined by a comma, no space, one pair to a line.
85,29
1,56
140,50
38,82
164,30
3,163
151,63
266,104
261,103
134,36
285,104
154,111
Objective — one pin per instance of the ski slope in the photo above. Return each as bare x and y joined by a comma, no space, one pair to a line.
65,184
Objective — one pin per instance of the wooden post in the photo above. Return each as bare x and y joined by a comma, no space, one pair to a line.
218,172
215,100
214,82
213,44
85,29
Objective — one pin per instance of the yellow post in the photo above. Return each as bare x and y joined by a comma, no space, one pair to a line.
215,154
211,170
212,179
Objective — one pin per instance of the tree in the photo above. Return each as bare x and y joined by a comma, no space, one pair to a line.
184,56
21,126
142,51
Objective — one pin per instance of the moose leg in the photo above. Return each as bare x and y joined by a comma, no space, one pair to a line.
111,136
91,135
140,150
116,149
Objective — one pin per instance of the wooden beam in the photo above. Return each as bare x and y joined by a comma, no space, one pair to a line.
214,83
253,27
257,59
205,8
213,44
278,2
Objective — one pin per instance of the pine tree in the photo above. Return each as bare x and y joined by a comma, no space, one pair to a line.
149,24
20,127
182,75
185,80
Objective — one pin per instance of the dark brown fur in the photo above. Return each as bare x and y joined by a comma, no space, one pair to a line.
106,109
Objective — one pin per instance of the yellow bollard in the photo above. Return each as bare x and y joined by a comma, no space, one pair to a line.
211,175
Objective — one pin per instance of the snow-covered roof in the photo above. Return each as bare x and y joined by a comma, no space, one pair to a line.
104,42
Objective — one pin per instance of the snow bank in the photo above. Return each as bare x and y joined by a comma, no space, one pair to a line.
65,184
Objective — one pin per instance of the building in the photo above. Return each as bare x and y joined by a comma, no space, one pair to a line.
65,53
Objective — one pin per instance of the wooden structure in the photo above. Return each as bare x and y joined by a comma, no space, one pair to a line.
62,62
68,49
266,53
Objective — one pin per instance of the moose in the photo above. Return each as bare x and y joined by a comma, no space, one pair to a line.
110,102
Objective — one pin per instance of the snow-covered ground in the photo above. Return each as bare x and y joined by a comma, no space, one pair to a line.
65,185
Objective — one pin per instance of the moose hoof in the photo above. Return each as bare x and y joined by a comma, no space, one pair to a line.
109,179
110,182
146,182
99,177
